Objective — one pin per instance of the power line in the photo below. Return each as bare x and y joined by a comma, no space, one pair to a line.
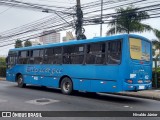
60,24
5,10
51,1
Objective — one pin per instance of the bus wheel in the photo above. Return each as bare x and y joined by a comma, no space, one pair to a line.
66,86
20,81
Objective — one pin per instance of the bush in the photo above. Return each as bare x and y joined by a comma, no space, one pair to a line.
2,61
2,71
158,79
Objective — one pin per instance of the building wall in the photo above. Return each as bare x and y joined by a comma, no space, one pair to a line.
50,37
69,36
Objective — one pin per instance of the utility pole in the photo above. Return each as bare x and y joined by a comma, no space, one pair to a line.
101,22
79,22
115,26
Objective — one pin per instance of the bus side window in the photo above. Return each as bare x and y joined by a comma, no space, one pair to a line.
67,54
23,57
11,59
77,54
73,54
53,55
57,55
36,57
114,52
48,56
95,53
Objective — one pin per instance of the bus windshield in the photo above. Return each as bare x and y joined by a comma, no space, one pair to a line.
139,49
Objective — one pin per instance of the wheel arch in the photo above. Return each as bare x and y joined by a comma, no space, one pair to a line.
62,79
16,77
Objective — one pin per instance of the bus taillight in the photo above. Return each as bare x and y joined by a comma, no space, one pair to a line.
140,81
129,81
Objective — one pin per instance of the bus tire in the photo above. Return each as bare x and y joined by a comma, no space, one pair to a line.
66,86
20,81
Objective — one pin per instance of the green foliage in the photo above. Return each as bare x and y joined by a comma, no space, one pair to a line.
2,71
157,33
18,44
27,43
155,46
129,20
2,67
2,61
158,70
154,82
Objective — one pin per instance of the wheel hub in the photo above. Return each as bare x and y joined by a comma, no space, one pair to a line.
67,86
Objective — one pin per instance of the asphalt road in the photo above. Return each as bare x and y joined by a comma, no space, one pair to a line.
13,98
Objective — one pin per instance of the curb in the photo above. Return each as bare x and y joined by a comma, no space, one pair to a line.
2,79
138,96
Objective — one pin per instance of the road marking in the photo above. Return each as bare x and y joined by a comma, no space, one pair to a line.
42,101
126,106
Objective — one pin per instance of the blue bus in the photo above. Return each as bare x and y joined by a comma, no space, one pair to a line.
105,64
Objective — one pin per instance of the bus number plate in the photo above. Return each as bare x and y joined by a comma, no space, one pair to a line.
141,87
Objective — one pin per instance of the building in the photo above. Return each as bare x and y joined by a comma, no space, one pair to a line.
69,36
36,42
50,37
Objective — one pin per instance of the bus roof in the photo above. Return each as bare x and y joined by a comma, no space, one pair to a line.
96,39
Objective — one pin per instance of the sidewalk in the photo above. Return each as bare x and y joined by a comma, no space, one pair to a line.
2,78
149,94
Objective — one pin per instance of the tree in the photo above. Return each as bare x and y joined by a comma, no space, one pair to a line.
27,43
156,43
18,44
155,46
2,67
157,33
2,61
129,20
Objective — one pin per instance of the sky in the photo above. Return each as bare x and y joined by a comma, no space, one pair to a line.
11,17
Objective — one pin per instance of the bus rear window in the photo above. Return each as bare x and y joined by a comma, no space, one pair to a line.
139,49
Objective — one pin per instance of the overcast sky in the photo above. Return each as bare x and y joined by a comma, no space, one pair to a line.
11,17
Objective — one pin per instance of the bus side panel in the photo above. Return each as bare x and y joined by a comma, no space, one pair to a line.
95,85
81,84
10,74
94,78
29,79
103,86
41,80
49,81
40,75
